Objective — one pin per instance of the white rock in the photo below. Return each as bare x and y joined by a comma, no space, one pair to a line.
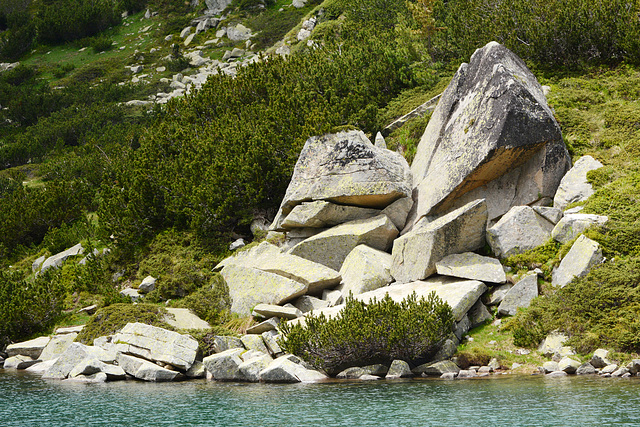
469,265
572,225
518,231
365,269
583,255
574,186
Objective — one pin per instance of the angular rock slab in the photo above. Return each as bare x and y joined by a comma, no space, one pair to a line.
57,346
572,225
225,366
307,303
157,344
331,247
399,369
520,230
32,348
520,295
472,266
144,370
250,286
74,355
437,368
584,254
574,186
346,168
56,260
283,370
493,117
183,318
321,214
415,253
271,310
365,269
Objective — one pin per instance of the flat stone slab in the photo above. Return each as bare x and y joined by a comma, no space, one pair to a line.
57,346
56,260
520,295
583,255
183,318
271,310
518,231
365,269
69,330
472,266
32,348
574,186
572,225
321,214
267,325
144,370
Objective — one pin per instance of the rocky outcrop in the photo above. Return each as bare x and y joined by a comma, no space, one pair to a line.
283,370
574,186
32,348
365,269
415,254
572,225
76,354
56,260
472,266
520,230
492,128
583,255
520,295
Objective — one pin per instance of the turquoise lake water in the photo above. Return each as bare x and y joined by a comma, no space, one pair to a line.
27,400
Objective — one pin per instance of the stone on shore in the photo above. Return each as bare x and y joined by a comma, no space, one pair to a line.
19,362
91,366
222,343
492,128
399,369
271,310
250,369
415,253
331,247
586,369
346,168
574,186
32,348
73,356
270,339
469,265
144,370
600,358
583,255
569,365
283,370
572,225
552,343
520,295
360,371
57,346
437,368
224,366
365,269
518,231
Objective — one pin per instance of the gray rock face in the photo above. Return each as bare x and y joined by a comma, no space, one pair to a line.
157,344
270,339
572,225
91,366
586,369
32,348
437,368
19,362
239,33
37,263
223,343
520,295
478,315
600,358
144,370
518,230
271,310
583,255
331,247
360,371
634,366
57,346
250,286
496,294
283,370
570,366
574,186
56,260
415,253
472,266
492,119
74,355
552,343
254,342
398,211
148,284
183,318
225,366
399,369
216,6
365,269
321,214
250,369
346,168
308,303
553,215
267,325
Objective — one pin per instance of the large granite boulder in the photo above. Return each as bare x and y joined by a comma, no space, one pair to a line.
92,366
250,369
32,348
75,354
584,254
57,346
572,225
269,258
144,370
56,260
19,362
552,343
574,186
437,368
492,128
272,310
183,318
365,269
157,344
520,230
472,266
321,214
331,247
283,370
224,366
520,295
346,168
249,286
399,369
415,253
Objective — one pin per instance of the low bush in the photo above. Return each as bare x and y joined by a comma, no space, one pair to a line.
375,333
211,302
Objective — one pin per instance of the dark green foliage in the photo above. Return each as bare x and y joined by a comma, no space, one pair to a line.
272,25
375,333
206,339
110,319
100,43
211,302
544,257
27,306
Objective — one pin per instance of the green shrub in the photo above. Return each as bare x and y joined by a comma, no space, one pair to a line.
110,319
211,302
375,333
100,43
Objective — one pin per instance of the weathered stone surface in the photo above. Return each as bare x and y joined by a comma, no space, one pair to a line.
37,263
634,366
619,372
56,260
553,215
437,368
415,254
346,168
197,370
518,230
40,367
586,369
520,295
609,369
225,366
478,315
307,303
398,211
222,343
574,186
250,286
572,225
144,370
250,369
238,33
447,350
254,342
552,343
333,297
57,346
497,293
332,246
467,373
131,293
399,369
267,325
359,371
183,318
157,344
216,6
69,330
90,366
472,266
365,269
270,339
74,355
271,310
492,118
148,284
283,370
600,358
556,374
461,328
19,362
269,258
321,214
569,365
32,348
562,352
583,255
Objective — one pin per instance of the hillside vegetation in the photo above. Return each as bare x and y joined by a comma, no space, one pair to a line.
167,188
